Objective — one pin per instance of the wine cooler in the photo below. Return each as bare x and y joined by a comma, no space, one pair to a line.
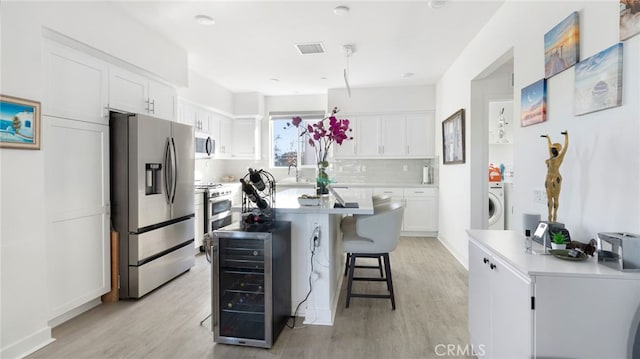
251,283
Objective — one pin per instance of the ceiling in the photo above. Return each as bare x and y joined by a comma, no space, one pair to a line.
251,46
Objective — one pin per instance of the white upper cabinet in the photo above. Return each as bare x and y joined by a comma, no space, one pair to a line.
392,139
75,85
245,133
128,92
162,101
420,135
135,93
397,135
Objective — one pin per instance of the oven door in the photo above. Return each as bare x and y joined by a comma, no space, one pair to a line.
205,146
218,213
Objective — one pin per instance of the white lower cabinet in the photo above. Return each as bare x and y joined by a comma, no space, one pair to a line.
536,306
420,207
499,299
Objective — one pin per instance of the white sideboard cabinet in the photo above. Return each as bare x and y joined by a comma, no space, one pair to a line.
538,306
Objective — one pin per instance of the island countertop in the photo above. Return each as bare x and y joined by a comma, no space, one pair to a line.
287,202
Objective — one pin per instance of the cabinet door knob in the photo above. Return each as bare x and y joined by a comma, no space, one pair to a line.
485,260
492,266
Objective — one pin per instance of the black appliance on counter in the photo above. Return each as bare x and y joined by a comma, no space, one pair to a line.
251,283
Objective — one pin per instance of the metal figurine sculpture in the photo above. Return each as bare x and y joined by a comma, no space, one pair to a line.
553,182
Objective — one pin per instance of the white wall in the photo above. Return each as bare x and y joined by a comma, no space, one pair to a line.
601,168
23,275
383,99
205,92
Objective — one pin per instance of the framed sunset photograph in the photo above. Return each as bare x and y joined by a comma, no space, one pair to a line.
19,123
533,103
562,46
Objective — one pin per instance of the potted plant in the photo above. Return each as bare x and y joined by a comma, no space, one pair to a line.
558,240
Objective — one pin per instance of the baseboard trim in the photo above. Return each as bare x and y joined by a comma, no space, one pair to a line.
54,322
28,345
462,261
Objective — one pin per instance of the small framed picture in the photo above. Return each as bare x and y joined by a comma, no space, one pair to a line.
453,138
19,123
533,103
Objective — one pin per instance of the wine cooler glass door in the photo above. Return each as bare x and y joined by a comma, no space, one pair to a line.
241,295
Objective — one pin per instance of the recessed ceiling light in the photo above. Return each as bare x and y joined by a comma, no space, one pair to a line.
436,4
323,78
205,20
341,10
406,74
275,80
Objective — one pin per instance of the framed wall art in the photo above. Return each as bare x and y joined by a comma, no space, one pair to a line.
562,46
629,18
598,81
453,138
533,103
19,123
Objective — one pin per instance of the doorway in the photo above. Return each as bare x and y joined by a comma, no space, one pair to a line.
492,140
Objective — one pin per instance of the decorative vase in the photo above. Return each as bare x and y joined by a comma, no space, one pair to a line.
322,180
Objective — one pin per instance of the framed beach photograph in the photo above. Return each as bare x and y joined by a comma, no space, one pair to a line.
533,103
629,18
19,123
562,46
453,138
598,81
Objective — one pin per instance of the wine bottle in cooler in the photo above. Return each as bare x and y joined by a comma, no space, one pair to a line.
256,179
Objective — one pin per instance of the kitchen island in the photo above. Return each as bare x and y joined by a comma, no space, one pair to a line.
316,249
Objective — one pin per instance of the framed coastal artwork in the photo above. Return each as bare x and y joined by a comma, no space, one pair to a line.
453,138
629,18
562,46
598,81
19,123
533,103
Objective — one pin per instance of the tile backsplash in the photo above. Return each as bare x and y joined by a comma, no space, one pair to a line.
401,171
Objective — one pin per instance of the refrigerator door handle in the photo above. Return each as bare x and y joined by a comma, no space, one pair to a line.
174,170
167,171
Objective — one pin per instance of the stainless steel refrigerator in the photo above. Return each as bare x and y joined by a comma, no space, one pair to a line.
152,165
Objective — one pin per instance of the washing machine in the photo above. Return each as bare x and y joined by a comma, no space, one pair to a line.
496,205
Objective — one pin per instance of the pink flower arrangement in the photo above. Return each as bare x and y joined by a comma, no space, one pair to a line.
321,138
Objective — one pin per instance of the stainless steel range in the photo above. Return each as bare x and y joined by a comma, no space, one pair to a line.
217,211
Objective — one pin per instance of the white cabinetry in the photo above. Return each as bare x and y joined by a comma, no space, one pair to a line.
533,306
421,209
75,85
499,298
237,138
77,188
390,136
135,93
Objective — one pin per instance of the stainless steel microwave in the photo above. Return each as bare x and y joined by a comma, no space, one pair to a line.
205,146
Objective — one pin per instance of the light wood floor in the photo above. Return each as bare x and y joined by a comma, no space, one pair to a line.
431,298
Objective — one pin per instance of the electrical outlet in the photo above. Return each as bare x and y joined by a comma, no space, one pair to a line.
405,168
364,168
540,196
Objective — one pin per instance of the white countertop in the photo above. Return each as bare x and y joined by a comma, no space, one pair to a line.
287,202
509,246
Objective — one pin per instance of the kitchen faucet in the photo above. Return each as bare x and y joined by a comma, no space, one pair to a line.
294,165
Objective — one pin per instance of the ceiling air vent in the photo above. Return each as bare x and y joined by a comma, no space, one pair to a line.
310,48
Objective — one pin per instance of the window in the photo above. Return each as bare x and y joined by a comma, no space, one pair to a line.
287,147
